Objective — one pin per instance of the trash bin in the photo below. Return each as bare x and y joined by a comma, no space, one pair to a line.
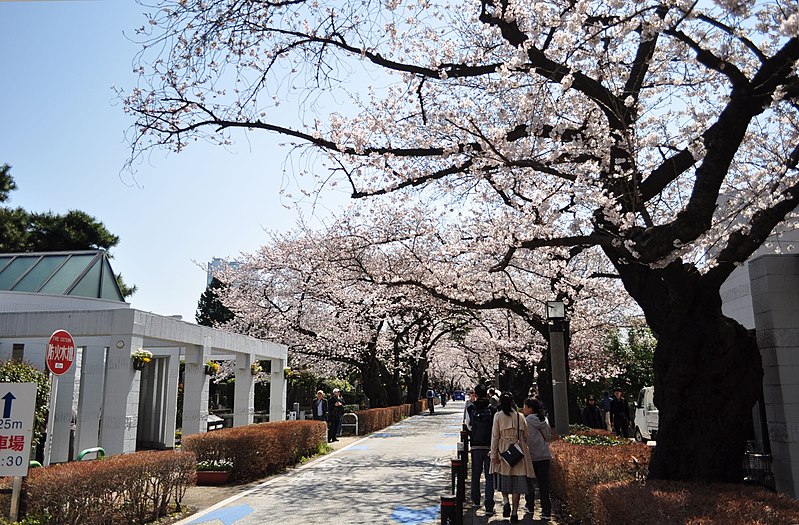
757,469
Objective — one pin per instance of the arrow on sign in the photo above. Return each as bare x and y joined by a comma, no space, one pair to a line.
8,398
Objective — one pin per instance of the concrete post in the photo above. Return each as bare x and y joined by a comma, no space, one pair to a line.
195,390
244,400
557,355
277,391
90,399
775,301
119,422
59,446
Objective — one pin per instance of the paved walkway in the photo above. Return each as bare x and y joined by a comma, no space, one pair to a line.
395,476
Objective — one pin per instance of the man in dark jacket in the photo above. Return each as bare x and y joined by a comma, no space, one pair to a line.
335,408
592,416
619,413
320,407
479,420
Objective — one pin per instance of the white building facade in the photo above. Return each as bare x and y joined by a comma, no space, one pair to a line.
111,404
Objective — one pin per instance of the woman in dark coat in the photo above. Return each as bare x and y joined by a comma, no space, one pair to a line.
592,416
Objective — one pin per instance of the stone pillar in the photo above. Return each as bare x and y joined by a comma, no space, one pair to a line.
90,399
277,391
171,408
120,411
244,400
775,300
59,447
195,390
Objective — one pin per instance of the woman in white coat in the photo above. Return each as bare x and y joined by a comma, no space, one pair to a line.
509,428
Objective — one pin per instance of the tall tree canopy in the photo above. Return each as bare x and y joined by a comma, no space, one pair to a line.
661,134
25,231
210,310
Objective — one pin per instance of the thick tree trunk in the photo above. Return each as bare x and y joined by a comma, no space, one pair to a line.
373,386
417,374
708,375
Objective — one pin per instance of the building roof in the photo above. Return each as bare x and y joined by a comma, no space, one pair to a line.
79,273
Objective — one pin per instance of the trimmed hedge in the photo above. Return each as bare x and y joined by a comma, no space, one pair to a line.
605,485
258,450
375,419
128,488
576,469
690,504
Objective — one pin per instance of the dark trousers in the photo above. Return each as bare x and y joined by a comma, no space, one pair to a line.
332,428
541,469
620,426
481,463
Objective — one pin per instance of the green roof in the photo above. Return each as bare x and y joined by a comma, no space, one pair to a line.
83,274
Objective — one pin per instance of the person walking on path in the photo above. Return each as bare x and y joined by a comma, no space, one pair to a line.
493,397
469,402
480,420
538,436
509,428
335,412
592,416
431,397
619,413
320,406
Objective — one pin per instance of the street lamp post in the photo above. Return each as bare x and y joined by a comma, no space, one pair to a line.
556,315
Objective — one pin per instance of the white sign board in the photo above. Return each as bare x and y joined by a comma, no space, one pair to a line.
17,405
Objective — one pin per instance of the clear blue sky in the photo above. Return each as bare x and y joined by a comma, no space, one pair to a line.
62,132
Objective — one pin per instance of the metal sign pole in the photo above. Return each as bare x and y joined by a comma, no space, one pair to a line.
48,442
16,491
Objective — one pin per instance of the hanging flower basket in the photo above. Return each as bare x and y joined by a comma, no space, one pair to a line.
141,358
211,368
288,373
256,369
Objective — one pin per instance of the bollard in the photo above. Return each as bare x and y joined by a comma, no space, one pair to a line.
465,457
458,488
449,508
455,467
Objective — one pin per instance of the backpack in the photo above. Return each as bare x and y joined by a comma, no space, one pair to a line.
482,419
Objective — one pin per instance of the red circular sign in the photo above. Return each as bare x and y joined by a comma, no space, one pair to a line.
60,352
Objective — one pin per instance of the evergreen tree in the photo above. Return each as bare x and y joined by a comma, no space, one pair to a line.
210,310
24,231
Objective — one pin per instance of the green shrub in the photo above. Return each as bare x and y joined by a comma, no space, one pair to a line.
690,504
601,441
24,372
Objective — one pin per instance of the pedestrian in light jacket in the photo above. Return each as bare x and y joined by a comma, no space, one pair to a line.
509,428
538,436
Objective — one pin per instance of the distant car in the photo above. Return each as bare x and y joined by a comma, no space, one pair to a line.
459,395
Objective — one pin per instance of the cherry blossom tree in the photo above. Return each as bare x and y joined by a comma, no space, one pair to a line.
312,290
662,134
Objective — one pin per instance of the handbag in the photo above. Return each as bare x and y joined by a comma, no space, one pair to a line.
514,452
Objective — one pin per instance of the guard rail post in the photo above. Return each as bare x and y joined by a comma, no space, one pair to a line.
449,509
459,489
465,457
